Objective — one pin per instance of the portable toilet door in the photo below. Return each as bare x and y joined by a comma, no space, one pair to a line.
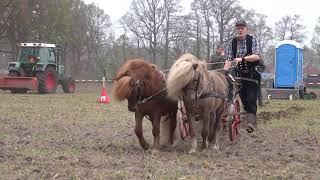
300,65
288,64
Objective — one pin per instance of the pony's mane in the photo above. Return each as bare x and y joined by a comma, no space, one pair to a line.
121,89
202,67
182,72
137,69
128,68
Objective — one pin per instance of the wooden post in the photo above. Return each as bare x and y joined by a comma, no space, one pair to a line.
103,82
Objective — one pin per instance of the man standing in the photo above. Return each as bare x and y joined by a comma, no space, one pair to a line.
244,51
217,60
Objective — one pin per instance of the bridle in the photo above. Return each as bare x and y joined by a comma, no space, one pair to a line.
199,94
142,99
196,88
138,89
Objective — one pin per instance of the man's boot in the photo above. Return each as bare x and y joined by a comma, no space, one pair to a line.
251,122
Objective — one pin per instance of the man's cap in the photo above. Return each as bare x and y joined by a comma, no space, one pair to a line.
241,23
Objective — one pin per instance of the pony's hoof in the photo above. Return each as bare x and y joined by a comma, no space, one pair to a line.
216,147
192,151
155,151
204,146
250,128
145,146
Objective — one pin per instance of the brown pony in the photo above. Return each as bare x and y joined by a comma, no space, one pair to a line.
203,94
144,86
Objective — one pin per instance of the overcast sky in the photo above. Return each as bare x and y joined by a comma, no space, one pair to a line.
274,9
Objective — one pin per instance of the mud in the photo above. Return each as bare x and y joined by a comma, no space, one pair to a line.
70,136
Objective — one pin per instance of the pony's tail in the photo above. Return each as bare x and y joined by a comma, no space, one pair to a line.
121,88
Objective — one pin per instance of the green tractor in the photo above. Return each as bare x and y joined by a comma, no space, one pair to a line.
37,69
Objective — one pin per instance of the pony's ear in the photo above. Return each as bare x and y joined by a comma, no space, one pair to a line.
195,66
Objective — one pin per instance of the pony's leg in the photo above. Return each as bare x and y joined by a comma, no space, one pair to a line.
212,121
165,130
205,129
192,132
173,125
217,127
139,132
156,131
193,139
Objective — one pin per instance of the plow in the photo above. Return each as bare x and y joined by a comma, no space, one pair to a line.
18,84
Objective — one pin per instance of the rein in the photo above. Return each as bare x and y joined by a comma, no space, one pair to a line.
200,94
212,94
144,100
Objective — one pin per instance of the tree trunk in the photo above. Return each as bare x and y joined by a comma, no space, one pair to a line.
198,37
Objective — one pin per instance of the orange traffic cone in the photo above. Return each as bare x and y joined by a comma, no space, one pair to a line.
104,98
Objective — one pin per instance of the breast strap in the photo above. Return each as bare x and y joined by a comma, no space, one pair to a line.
213,94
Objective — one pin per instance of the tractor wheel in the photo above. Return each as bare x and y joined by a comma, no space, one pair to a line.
47,81
16,91
312,95
306,96
68,84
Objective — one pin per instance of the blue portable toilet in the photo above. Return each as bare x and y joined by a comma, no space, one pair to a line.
288,65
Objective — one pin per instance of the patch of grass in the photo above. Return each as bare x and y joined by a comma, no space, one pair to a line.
189,158
295,169
295,125
72,173
3,135
74,151
302,119
118,174
279,123
39,152
40,136
272,177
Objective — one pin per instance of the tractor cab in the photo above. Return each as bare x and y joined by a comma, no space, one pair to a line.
33,57
42,52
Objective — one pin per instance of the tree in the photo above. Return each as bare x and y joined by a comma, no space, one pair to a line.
257,24
315,42
203,8
225,13
78,34
270,57
290,28
15,23
311,57
171,8
99,29
183,35
195,24
7,9
146,19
